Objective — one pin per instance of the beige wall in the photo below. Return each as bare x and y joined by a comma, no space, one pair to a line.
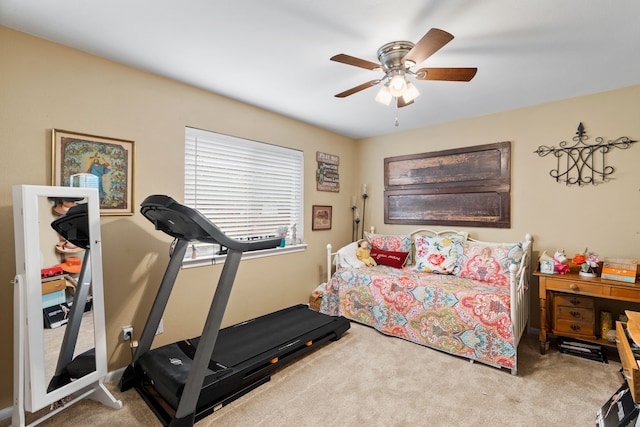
602,217
45,86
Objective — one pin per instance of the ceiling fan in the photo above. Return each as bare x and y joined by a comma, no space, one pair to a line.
396,60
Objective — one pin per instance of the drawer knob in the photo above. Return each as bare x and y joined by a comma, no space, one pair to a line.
574,287
575,327
575,301
575,313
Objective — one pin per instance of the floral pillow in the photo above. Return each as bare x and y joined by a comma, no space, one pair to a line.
489,262
390,242
438,254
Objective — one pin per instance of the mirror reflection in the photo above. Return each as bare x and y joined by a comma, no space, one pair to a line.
68,323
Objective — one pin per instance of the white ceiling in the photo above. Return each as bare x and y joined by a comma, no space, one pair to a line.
275,54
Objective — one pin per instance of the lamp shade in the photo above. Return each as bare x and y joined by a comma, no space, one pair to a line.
411,93
397,85
384,95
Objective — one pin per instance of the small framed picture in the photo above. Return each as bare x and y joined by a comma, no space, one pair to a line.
321,218
547,266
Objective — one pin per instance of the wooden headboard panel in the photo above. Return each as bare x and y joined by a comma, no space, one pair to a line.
468,187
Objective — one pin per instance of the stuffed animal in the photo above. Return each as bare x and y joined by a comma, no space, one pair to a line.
561,262
363,253
560,257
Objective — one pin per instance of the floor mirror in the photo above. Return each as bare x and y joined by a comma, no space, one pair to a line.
59,327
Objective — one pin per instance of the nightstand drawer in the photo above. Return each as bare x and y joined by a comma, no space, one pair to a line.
573,301
574,327
574,314
627,293
574,286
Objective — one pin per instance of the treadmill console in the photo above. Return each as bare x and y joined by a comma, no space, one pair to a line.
184,222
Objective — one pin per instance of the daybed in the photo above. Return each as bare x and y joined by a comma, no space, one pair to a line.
452,293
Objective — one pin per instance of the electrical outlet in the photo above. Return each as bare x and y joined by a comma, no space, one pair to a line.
127,333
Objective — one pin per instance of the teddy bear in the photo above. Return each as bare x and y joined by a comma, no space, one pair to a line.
363,253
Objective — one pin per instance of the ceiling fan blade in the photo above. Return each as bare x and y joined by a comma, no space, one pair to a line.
356,62
356,89
429,44
401,102
447,74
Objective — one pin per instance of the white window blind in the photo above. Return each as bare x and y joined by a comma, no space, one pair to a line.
247,188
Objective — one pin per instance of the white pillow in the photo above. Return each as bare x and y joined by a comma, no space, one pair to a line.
346,257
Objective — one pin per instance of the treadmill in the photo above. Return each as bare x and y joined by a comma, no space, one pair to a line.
185,381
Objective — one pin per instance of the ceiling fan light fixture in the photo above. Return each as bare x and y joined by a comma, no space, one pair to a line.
411,93
396,60
398,85
384,95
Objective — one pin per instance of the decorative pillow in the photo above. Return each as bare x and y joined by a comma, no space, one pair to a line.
391,242
489,262
438,254
392,259
346,257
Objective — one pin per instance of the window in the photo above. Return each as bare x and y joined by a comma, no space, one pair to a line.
247,188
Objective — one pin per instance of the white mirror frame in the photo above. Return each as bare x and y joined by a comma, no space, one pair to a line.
30,386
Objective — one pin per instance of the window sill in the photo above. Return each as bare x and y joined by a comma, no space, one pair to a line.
220,259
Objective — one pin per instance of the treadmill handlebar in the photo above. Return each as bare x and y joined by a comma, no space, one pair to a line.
183,222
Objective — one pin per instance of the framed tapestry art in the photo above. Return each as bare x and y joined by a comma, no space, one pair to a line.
95,161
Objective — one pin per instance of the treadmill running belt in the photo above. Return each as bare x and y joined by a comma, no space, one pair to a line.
239,343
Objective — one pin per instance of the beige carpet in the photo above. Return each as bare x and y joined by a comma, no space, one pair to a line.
366,378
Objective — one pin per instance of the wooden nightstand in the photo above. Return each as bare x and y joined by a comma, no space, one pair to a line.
567,305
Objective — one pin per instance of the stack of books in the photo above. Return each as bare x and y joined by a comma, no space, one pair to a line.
622,269
582,349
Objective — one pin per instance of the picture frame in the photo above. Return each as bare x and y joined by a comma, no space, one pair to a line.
547,266
322,217
79,159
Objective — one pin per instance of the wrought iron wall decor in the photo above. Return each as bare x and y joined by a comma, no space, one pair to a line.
584,163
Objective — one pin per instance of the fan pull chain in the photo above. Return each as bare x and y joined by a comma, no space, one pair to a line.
397,121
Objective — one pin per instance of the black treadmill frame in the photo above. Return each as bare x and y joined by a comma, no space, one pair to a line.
185,225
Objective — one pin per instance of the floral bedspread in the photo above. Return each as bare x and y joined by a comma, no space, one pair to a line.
465,317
